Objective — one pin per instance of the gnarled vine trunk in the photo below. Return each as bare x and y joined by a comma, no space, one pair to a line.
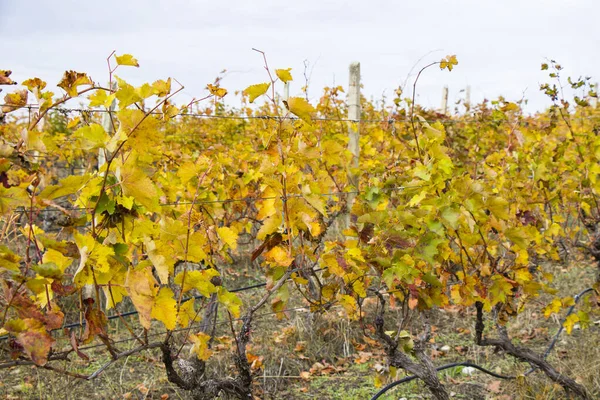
504,343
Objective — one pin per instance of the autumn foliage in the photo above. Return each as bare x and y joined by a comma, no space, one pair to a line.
450,212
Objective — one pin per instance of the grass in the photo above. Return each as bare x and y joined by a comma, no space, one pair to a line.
308,356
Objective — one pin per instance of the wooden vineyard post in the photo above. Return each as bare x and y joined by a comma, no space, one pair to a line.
445,100
286,91
468,97
353,135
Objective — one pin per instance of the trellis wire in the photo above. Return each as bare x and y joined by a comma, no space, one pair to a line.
242,200
446,120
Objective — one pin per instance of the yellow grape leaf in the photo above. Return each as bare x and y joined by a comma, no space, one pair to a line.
553,308
417,198
499,289
230,301
114,294
570,322
32,335
5,80
349,304
145,91
284,74
199,280
301,108
186,313
91,137
188,170
359,288
498,206
158,260
35,140
195,250
56,257
127,59
318,202
518,236
162,88
8,259
448,62
92,253
255,91
567,301
35,85
15,100
69,185
125,201
11,198
165,308
216,90
584,319
269,226
169,111
71,80
137,184
330,260
451,216
279,256
266,208
101,98
141,287
522,275
229,236
200,346
126,94
73,122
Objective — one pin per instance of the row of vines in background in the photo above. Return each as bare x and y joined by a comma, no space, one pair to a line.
462,211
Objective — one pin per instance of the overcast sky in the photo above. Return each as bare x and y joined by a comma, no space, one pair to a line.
499,44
